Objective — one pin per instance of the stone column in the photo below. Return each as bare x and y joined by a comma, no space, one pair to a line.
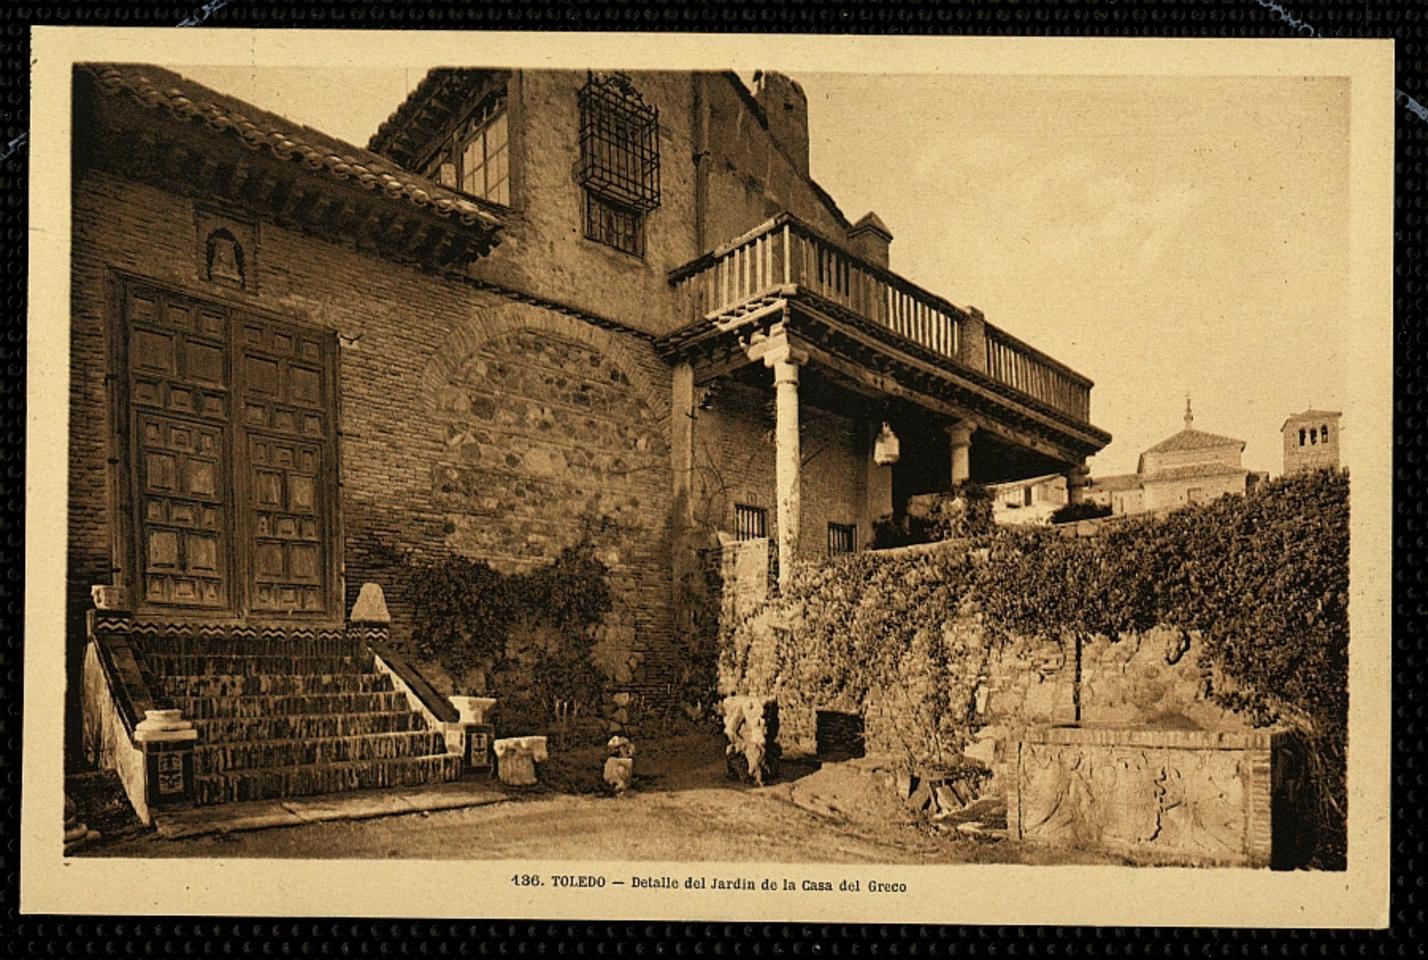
1078,478
681,455
960,435
784,359
681,442
789,463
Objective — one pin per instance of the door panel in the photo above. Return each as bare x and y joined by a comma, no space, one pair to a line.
235,504
286,401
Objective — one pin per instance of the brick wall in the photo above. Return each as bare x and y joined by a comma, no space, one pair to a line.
469,422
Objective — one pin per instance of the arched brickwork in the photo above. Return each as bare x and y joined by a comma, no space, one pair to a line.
547,430
491,323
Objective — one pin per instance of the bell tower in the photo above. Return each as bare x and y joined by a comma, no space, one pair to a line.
1311,440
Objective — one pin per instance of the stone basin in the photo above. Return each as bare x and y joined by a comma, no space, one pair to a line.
473,709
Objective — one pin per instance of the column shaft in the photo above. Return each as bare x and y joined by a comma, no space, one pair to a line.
788,465
960,436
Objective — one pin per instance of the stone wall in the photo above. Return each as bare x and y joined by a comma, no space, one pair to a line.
749,179
1187,796
469,422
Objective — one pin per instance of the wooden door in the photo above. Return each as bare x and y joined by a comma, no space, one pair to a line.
229,421
285,392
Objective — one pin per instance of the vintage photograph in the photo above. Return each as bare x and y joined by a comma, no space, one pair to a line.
478,460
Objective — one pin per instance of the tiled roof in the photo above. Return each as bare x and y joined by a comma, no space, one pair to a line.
428,111
1192,439
187,101
1193,471
1116,481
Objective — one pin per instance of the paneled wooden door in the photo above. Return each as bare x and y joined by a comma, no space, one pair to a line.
229,419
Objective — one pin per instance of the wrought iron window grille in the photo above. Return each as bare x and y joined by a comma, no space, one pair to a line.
614,225
619,143
750,523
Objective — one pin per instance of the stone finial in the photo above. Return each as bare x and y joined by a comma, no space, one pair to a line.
371,606
109,597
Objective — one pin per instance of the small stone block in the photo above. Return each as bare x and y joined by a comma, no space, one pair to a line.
619,773
371,606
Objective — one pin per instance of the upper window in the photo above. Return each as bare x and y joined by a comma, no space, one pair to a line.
477,158
619,161
483,153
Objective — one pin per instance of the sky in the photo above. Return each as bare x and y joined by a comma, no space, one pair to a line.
1163,236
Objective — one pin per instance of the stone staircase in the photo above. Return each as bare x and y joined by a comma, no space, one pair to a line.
292,716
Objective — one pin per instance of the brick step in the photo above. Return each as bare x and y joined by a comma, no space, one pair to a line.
166,665
309,726
274,684
220,646
308,779
261,754
201,708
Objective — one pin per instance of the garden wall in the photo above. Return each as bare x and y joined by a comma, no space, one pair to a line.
1218,617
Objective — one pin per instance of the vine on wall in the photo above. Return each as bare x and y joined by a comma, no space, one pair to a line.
529,636
1262,580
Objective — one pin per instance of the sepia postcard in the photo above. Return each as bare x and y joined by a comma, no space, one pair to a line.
709,477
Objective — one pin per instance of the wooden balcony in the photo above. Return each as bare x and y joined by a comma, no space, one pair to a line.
785,257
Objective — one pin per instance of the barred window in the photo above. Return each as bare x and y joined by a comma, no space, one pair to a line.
842,538
613,225
619,161
750,523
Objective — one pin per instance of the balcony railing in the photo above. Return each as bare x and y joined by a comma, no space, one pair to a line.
785,253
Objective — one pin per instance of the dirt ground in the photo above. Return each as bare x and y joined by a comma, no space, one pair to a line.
683,807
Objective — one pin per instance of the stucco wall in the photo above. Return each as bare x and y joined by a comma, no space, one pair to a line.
750,177
544,249
1229,455
1165,494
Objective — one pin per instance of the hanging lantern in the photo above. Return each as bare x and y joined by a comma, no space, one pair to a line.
886,447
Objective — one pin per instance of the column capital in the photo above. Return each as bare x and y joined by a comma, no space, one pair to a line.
775,348
960,432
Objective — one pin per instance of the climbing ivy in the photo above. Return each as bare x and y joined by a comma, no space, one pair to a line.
1261,580
465,613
